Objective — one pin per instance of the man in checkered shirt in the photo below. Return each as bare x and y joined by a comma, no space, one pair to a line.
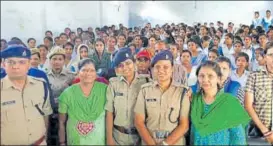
259,96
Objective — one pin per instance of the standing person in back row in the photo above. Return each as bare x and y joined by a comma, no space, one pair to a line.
25,102
60,78
259,96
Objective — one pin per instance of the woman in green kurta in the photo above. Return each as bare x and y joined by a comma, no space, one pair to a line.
83,105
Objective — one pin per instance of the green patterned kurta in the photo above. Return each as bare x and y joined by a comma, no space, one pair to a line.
86,115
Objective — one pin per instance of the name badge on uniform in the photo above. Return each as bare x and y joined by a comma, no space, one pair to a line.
8,103
151,100
118,94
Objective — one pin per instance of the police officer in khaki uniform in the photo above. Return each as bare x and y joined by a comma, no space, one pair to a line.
121,97
25,104
59,78
162,107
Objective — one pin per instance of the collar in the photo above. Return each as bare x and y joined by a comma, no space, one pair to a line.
244,74
63,72
156,84
250,48
6,83
264,70
137,76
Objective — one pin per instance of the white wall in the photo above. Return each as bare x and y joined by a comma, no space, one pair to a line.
197,11
25,19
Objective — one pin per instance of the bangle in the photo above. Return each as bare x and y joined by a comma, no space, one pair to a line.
164,143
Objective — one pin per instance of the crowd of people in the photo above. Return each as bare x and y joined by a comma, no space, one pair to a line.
175,84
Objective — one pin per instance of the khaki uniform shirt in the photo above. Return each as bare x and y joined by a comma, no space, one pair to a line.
21,121
58,83
162,110
121,99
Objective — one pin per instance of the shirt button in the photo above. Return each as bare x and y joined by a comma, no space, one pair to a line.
28,120
29,134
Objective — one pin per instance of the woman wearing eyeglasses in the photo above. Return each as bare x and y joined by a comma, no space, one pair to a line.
217,117
121,97
162,107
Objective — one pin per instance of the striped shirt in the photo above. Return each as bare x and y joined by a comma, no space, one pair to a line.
260,84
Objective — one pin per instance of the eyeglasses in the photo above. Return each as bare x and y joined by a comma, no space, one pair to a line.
142,59
12,62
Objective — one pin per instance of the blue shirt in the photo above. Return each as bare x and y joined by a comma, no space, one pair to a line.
230,86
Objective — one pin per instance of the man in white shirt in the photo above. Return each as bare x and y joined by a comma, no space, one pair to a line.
248,49
241,74
227,47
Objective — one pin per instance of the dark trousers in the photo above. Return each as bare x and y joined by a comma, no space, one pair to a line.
53,137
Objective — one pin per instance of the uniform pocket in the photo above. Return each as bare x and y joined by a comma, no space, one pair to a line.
151,107
11,115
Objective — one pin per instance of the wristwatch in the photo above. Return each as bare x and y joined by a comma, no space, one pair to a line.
164,143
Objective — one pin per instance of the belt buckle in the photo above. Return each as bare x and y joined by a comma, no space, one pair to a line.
161,134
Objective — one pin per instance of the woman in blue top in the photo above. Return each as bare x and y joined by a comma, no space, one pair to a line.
227,85
217,117
267,21
197,54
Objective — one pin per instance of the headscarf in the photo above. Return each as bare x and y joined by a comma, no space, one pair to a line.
224,113
78,57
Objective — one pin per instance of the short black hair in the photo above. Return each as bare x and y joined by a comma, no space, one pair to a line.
214,51
262,34
42,46
30,40
63,34
48,31
238,42
224,59
242,54
185,51
256,12
57,37
230,35
69,44
71,32
205,38
49,38
268,11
